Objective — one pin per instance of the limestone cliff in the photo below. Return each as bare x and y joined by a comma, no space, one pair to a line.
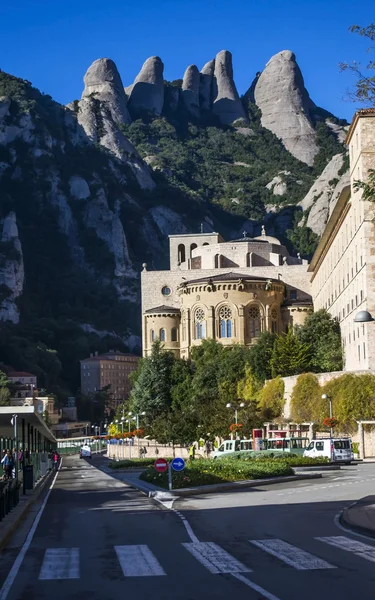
190,90
11,269
280,94
147,91
226,103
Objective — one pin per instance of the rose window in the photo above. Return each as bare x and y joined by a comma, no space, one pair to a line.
199,314
254,312
274,314
225,313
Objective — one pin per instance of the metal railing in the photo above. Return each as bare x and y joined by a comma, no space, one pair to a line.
9,496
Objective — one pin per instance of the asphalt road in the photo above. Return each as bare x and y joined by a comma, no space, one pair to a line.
100,539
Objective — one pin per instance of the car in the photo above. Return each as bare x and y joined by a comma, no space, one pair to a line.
338,450
85,452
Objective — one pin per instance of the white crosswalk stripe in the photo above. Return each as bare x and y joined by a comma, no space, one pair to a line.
60,563
215,559
344,543
291,555
138,561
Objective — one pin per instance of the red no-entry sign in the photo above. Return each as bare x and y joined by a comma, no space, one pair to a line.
161,465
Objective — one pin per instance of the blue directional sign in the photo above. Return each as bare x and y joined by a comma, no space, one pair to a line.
178,464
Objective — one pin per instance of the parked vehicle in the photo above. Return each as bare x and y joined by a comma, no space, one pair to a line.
85,452
338,450
290,445
230,446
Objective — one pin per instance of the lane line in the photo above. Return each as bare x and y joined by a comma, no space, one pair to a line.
255,587
291,555
215,559
344,543
138,561
60,563
18,562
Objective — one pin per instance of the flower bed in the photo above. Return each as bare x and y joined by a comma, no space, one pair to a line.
132,463
206,472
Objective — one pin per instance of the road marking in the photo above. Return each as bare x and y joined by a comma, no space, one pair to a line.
344,543
214,558
138,561
60,563
295,557
255,587
18,562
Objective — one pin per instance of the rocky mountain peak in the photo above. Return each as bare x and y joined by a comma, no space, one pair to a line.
281,95
103,80
190,89
147,91
205,89
226,102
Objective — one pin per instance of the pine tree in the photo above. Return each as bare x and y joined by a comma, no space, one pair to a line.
290,356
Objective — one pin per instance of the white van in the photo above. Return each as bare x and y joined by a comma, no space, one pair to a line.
229,446
85,452
336,449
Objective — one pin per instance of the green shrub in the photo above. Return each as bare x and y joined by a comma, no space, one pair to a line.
206,472
271,398
133,462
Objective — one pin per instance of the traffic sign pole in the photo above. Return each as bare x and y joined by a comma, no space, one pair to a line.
170,477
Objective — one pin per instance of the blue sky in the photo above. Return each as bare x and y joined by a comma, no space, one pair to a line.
52,43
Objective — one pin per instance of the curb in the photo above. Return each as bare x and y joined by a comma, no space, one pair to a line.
318,468
346,522
160,494
8,531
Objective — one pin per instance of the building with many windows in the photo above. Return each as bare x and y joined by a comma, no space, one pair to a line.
110,369
343,266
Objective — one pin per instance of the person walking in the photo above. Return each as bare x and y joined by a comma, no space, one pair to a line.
192,452
8,465
55,460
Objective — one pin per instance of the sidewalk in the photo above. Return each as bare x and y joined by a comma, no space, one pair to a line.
361,516
12,520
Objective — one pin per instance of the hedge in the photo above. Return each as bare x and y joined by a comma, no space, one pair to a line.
206,472
133,463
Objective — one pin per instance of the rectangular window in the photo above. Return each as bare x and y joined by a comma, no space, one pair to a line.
352,303
364,350
356,300
293,294
353,335
361,295
349,339
359,352
347,308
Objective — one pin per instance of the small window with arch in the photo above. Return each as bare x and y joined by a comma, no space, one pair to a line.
162,335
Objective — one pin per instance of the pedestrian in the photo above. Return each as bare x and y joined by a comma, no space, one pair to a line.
55,460
192,452
8,465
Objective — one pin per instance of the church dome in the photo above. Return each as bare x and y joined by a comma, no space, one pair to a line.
267,238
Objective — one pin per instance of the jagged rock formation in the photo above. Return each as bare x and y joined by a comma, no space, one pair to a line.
147,91
278,185
226,102
205,87
324,193
285,104
190,90
11,269
102,80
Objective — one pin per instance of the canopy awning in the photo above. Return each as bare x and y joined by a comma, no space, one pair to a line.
23,412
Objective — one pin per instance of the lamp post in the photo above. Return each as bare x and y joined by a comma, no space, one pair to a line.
325,397
236,409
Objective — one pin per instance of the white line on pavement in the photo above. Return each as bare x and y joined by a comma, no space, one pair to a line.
255,587
215,559
18,562
60,563
138,561
344,543
295,557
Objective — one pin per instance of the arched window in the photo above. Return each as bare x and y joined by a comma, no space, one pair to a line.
162,335
225,320
192,247
255,325
206,244
200,324
249,260
217,261
274,320
152,335
174,334
181,253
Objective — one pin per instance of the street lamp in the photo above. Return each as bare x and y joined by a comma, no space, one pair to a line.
363,316
236,409
325,397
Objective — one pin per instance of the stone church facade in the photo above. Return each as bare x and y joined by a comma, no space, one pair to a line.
231,291
228,291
